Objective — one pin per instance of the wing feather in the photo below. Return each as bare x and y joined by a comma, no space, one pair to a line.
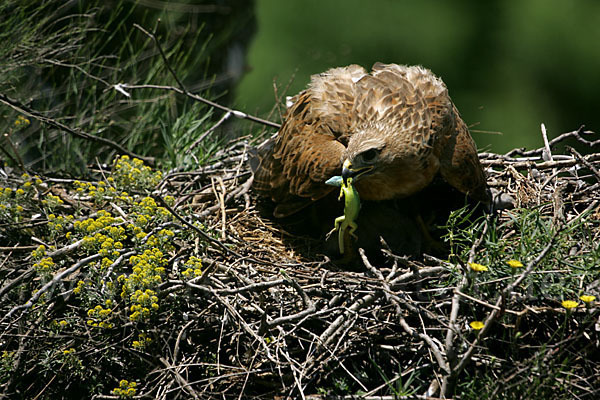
309,147
409,105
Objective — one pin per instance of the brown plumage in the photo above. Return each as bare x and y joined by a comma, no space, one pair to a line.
396,126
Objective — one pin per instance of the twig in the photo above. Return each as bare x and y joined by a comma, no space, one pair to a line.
577,135
584,161
466,357
405,326
184,91
451,353
235,113
224,118
53,282
546,153
308,303
184,384
23,109
254,287
194,227
502,162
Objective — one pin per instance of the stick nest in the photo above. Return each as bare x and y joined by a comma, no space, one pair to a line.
228,305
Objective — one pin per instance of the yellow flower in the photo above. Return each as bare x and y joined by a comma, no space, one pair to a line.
478,267
476,325
515,263
587,298
568,304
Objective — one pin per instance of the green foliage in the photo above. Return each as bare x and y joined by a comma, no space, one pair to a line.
518,239
116,293
69,59
559,280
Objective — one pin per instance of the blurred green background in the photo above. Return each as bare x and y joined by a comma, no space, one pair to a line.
509,65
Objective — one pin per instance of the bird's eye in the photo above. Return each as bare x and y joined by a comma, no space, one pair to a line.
370,155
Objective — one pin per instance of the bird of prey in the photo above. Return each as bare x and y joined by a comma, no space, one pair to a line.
392,130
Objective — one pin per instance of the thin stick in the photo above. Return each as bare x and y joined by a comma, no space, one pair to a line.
23,109
547,153
53,282
224,118
183,90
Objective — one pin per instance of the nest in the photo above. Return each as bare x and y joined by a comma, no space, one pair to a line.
270,316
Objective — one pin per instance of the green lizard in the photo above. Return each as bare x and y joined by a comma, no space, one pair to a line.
351,209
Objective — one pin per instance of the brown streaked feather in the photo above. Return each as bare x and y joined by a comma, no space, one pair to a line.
404,111
460,166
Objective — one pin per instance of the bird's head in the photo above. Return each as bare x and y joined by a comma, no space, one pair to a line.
379,167
365,157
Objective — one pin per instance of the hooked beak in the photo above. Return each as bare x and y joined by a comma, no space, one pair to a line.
349,172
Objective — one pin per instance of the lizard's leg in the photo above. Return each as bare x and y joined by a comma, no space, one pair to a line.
353,226
336,226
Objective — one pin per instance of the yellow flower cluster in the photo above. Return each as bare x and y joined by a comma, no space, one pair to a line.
569,304
39,253
194,268
104,219
587,298
137,232
143,304
99,316
80,285
134,174
57,225
68,351
45,265
125,390
163,240
30,180
98,191
146,213
170,200
105,263
51,201
5,193
10,204
476,325
148,208
104,245
514,263
148,270
21,122
109,247
142,342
